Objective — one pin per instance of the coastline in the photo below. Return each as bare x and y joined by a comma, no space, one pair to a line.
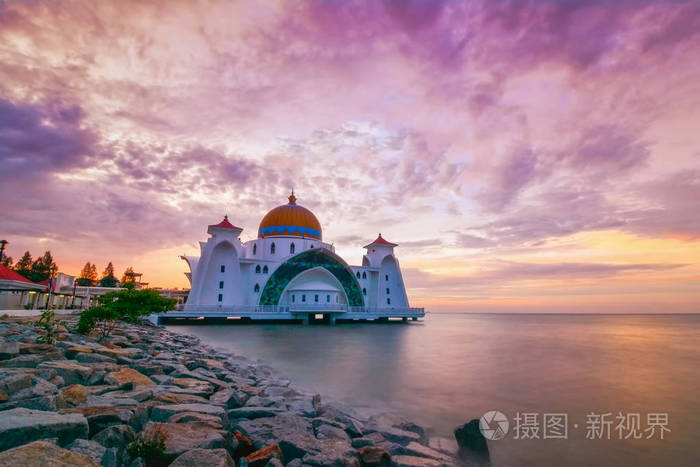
209,406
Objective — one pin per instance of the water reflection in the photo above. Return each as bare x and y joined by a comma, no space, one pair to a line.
452,368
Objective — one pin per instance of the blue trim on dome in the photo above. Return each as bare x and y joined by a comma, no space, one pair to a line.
290,228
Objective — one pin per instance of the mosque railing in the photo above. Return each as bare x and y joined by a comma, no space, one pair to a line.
296,308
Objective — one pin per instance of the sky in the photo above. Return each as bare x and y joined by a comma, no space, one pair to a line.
537,156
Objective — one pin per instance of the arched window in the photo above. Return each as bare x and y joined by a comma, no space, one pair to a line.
364,291
328,298
291,249
272,248
256,289
358,274
255,249
364,275
223,268
386,277
257,269
293,298
221,284
316,298
265,270
388,301
303,297
387,291
221,298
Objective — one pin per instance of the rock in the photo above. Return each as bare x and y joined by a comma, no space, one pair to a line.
230,398
115,436
254,412
182,437
446,445
24,361
72,352
75,394
128,375
204,457
94,358
9,350
12,382
400,436
141,394
416,449
262,456
99,418
198,387
42,454
469,438
414,461
326,431
162,413
245,445
361,442
19,426
178,398
45,403
70,371
88,448
292,433
34,348
372,456
3,396
186,417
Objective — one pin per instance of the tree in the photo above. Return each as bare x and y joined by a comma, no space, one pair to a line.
41,268
108,279
127,305
128,275
6,261
23,267
88,276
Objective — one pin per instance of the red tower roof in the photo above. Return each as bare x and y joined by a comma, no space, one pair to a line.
8,274
225,224
381,241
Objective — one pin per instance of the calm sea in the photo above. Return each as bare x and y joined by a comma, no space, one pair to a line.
451,368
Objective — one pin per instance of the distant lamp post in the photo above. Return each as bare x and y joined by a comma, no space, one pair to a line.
52,272
3,243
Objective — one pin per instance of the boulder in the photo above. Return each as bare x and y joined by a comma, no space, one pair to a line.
162,413
358,443
372,456
417,449
128,375
115,436
88,448
182,437
262,456
201,388
42,454
70,371
46,403
72,352
9,350
99,418
4,397
445,445
204,457
254,412
292,433
179,398
75,394
94,358
230,398
327,431
414,461
14,380
400,436
19,426
469,438
206,419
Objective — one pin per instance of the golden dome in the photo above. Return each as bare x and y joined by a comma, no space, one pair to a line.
290,220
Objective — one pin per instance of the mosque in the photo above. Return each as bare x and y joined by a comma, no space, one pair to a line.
289,272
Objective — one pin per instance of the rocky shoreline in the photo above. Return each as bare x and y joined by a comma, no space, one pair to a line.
145,396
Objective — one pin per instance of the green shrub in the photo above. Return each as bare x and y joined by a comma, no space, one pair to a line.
151,448
100,318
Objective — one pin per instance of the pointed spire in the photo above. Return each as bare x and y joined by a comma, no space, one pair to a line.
292,198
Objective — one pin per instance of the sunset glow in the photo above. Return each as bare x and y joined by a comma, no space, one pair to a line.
526,156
